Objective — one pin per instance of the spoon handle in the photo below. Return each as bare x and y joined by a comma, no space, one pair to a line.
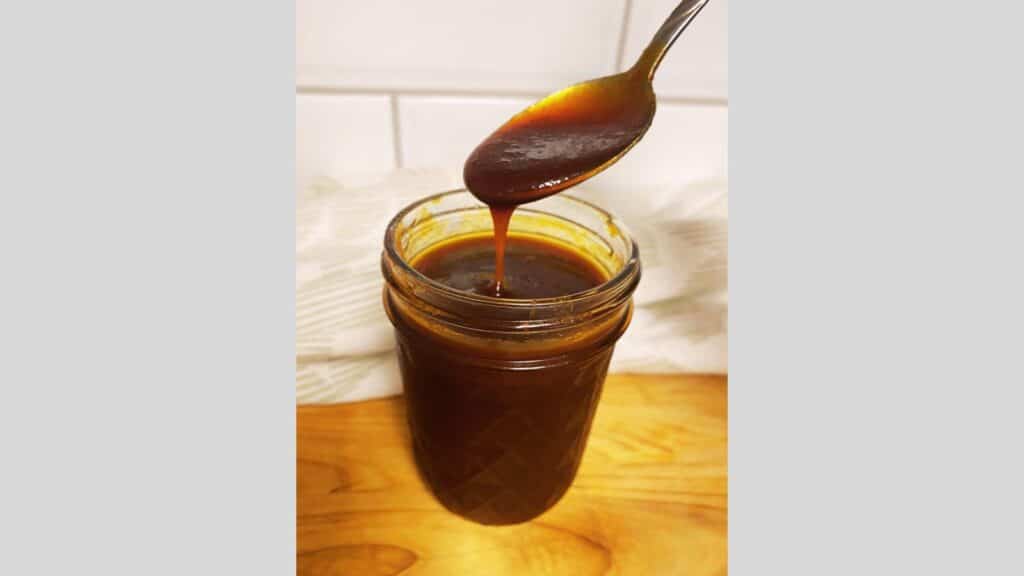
667,34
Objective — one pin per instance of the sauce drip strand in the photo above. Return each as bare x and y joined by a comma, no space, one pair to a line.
556,143
500,215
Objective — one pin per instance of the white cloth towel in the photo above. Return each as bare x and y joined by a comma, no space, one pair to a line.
344,341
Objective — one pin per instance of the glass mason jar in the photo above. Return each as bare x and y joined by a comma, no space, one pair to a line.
500,393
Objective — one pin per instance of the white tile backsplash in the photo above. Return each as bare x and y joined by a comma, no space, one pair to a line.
442,131
685,143
479,45
341,134
697,64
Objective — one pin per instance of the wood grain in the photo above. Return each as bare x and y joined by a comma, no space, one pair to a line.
650,498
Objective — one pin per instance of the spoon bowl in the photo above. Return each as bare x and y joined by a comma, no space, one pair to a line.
575,133
561,140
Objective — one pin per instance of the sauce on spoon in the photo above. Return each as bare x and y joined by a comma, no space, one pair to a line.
568,136
554,144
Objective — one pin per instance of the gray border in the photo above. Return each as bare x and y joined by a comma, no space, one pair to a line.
147,421
875,288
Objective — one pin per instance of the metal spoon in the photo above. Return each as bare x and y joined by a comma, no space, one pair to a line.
574,133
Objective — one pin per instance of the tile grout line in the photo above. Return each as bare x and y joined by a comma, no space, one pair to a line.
396,131
471,93
410,91
693,101
623,33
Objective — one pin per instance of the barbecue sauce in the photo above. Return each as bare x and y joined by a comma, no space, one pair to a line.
499,416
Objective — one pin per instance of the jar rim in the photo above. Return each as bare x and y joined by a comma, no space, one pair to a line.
623,281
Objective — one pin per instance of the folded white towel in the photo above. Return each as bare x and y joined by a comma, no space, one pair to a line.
344,342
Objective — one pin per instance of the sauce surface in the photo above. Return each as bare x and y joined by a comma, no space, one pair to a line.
534,267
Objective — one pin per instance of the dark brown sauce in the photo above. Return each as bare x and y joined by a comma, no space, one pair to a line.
556,143
497,444
560,140
533,267
498,432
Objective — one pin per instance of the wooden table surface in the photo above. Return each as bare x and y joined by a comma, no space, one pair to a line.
650,497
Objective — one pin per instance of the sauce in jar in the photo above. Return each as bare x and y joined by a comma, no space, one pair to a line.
501,392
496,444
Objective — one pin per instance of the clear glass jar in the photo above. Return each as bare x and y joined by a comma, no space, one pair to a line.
501,393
